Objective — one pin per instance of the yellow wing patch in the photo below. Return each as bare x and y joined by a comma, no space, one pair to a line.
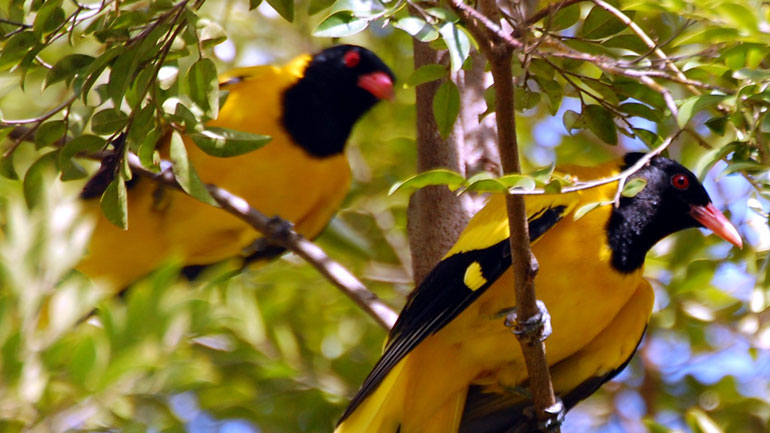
473,278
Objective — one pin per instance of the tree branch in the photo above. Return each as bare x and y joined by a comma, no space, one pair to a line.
498,47
274,230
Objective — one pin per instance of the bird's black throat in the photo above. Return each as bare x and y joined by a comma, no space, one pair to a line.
319,116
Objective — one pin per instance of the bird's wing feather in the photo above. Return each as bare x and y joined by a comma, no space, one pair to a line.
477,260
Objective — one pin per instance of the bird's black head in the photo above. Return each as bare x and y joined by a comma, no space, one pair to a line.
673,199
339,85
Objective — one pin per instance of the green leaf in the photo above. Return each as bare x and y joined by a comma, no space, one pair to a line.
446,107
85,80
49,133
122,75
203,86
599,24
128,19
253,4
211,33
583,210
717,125
144,122
15,48
553,187
66,68
543,174
108,121
7,169
487,182
185,173
34,183
458,44
633,187
85,143
628,42
524,99
635,90
484,182
693,105
340,24
285,8
570,120
553,91
425,74
439,176
564,17
443,14
136,92
640,110
417,28
83,360
223,142
146,149
755,75
48,18
518,181
600,122
542,69
743,18
114,203
649,138
316,6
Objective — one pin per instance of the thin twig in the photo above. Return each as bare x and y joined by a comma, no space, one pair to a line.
550,9
646,39
36,120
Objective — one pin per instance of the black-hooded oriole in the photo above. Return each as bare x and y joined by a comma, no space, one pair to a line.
308,107
451,366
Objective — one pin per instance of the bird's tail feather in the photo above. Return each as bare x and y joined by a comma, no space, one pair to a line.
382,410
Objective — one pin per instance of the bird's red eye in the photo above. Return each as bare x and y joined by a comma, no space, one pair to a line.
351,58
680,181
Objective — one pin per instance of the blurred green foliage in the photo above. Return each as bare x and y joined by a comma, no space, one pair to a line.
278,345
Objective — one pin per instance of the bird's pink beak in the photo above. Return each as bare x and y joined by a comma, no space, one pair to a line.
714,220
378,84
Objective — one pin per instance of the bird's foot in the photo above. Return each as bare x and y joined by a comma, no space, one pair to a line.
538,325
554,416
279,230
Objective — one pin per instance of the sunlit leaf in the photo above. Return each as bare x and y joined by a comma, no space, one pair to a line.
114,203
340,24
185,173
203,86
223,142
440,176
457,43
694,105
633,187
417,28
